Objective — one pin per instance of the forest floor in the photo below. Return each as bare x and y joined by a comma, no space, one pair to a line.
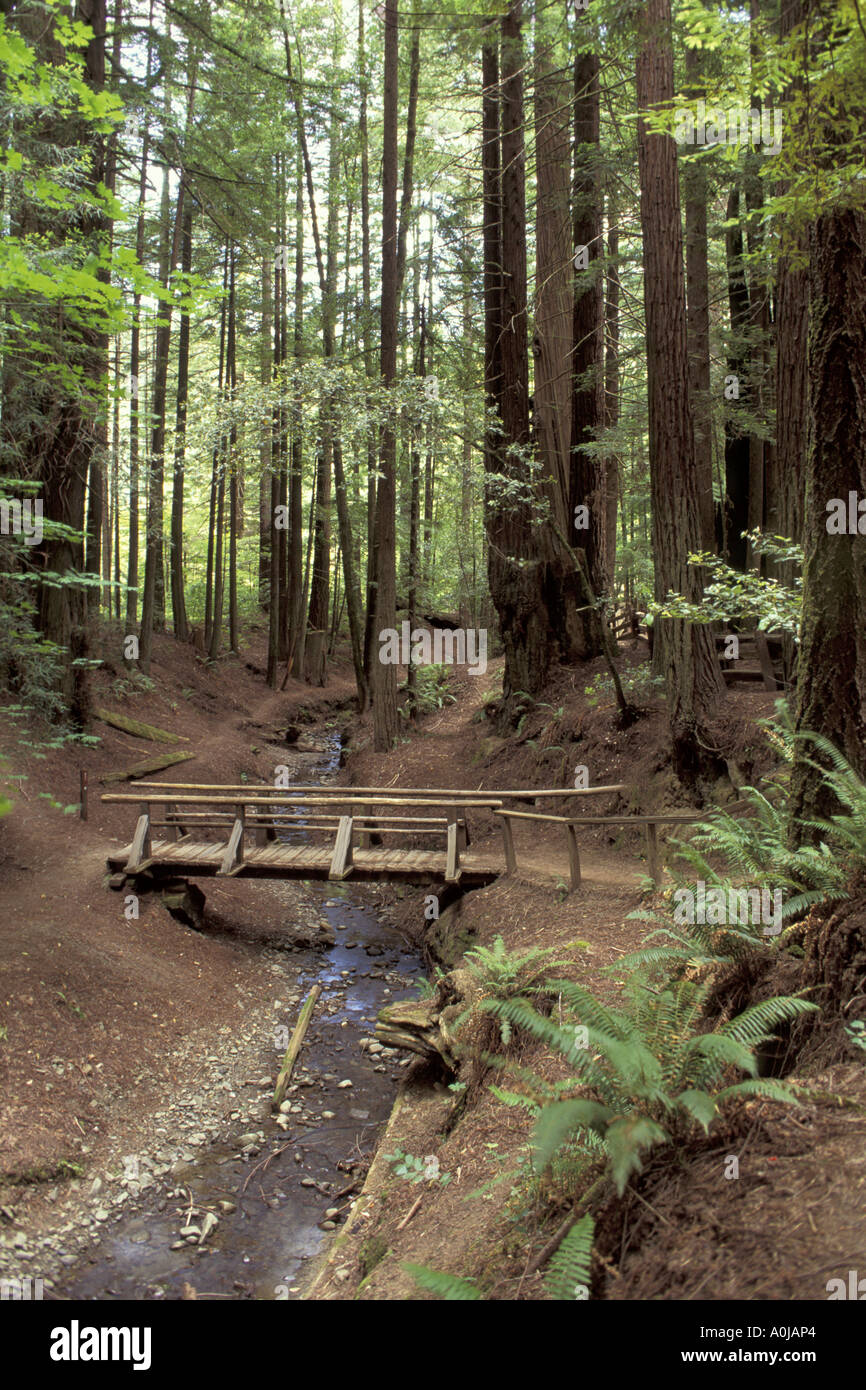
106,1020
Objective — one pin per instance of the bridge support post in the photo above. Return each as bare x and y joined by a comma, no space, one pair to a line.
233,859
341,861
652,851
508,843
573,857
139,854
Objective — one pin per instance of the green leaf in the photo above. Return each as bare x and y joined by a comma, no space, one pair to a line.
558,1121
625,1139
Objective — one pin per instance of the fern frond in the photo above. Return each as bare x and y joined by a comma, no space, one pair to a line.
559,1121
568,1273
445,1286
755,1025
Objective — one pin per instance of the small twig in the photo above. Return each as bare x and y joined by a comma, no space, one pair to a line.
561,1232
263,1165
651,1207
410,1213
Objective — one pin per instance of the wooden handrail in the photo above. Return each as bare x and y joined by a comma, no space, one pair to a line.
650,822
655,817
369,793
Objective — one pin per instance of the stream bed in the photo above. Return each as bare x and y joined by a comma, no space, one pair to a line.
251,1209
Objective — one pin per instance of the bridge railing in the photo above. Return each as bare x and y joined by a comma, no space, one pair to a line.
650,823
341,813
264,812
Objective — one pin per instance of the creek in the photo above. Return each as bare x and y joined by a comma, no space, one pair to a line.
269,1189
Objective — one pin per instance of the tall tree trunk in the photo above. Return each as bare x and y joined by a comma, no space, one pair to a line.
135,372
384,675
367,331
698,303
683,652
612,481
737,446
233,459
210,586
586,482
554,294
831,691
266,515
153,599
55,431
532,583
178,599
297,604
792,368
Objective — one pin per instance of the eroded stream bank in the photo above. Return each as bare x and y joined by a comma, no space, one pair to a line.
243,1213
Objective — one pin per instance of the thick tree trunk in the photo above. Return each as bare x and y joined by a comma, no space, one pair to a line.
533,584
554,293
737,447
698,300
683,652
384,675
831,693
266,515
586,484
612,480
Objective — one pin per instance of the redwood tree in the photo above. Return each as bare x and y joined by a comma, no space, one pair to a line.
683,652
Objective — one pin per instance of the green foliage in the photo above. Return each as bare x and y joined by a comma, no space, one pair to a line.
647,1075
505,973
431,691
732,851
734,596
446,1286
638,684
413,1168
568,1273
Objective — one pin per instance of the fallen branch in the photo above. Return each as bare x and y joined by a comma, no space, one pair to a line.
539,1260
294,1046
137,729
149,765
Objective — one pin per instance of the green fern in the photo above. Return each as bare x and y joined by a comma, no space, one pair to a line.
568,1273
446,1286
504,973
648,1074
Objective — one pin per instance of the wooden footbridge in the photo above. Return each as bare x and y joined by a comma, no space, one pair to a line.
191,831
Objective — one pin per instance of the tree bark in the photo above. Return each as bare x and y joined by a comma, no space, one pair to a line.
384,675
831,691
683,652
178,600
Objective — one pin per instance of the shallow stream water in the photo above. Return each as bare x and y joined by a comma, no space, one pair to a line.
280,1185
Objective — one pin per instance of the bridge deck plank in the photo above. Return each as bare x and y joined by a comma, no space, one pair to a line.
298,861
